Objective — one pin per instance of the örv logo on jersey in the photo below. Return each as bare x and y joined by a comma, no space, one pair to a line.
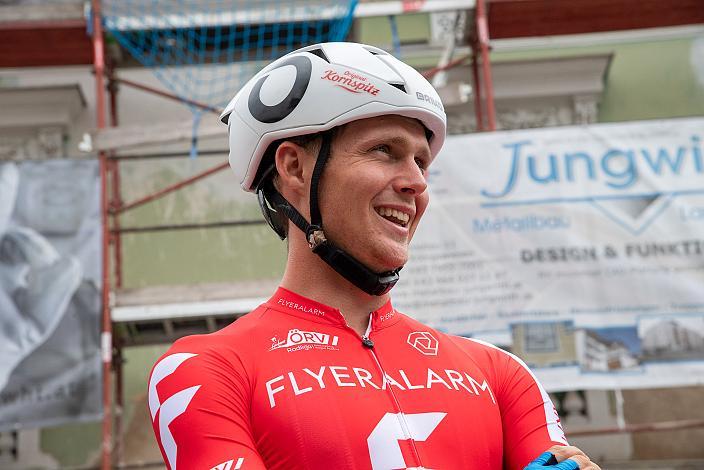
297,340
424,342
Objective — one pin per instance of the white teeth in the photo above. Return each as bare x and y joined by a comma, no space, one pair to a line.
388,212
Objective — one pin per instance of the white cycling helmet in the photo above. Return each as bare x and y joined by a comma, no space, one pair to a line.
311,91
319,87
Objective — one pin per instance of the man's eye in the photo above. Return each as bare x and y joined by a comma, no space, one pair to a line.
382,148
421,164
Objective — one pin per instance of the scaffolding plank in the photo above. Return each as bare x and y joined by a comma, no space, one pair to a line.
179,310
273,13
199,300
162,314
154,295
386,8
130,136
41,12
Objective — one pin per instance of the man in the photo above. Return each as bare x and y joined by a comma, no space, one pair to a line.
336,140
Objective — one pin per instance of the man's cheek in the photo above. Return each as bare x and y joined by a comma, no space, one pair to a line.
421,206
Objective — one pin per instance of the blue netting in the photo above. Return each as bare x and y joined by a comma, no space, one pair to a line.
204,50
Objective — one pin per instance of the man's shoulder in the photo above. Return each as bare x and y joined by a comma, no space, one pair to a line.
473,344
474,347
488,354
247,324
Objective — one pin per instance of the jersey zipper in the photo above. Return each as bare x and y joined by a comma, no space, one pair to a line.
368,343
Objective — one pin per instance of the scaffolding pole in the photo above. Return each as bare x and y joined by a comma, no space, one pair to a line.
482,26
477,89
165,94
116,238
106,333
116,196
169,189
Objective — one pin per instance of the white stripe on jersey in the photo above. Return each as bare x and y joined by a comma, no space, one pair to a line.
173,406
163,369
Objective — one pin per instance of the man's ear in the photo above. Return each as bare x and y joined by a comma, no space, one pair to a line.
290,160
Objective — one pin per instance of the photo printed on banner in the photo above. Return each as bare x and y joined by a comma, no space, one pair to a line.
49,293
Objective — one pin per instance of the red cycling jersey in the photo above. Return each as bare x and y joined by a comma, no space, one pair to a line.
290,385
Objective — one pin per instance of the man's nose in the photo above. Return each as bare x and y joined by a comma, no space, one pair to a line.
411,180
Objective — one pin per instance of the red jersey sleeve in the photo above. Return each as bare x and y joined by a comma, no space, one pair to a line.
199,398
530,422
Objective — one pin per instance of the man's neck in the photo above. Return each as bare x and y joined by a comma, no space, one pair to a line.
307,275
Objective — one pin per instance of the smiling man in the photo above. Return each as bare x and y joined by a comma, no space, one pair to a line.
336,140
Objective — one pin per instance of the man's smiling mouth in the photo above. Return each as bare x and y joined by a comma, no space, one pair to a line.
393,215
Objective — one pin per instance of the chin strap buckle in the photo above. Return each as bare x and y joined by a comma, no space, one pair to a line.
316,237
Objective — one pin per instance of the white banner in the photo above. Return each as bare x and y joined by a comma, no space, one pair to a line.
50,370
580,249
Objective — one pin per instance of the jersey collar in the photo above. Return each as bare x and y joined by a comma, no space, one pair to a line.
289,302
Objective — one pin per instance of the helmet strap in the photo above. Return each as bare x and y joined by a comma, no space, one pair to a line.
342,262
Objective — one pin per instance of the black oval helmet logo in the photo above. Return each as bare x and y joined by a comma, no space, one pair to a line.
276,113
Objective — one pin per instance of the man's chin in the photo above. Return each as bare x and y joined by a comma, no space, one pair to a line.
381,258
388,262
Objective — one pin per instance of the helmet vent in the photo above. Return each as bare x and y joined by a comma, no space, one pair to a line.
399,86
319,52
375,52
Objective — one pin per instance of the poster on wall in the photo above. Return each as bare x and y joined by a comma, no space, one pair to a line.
50,369
579,249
